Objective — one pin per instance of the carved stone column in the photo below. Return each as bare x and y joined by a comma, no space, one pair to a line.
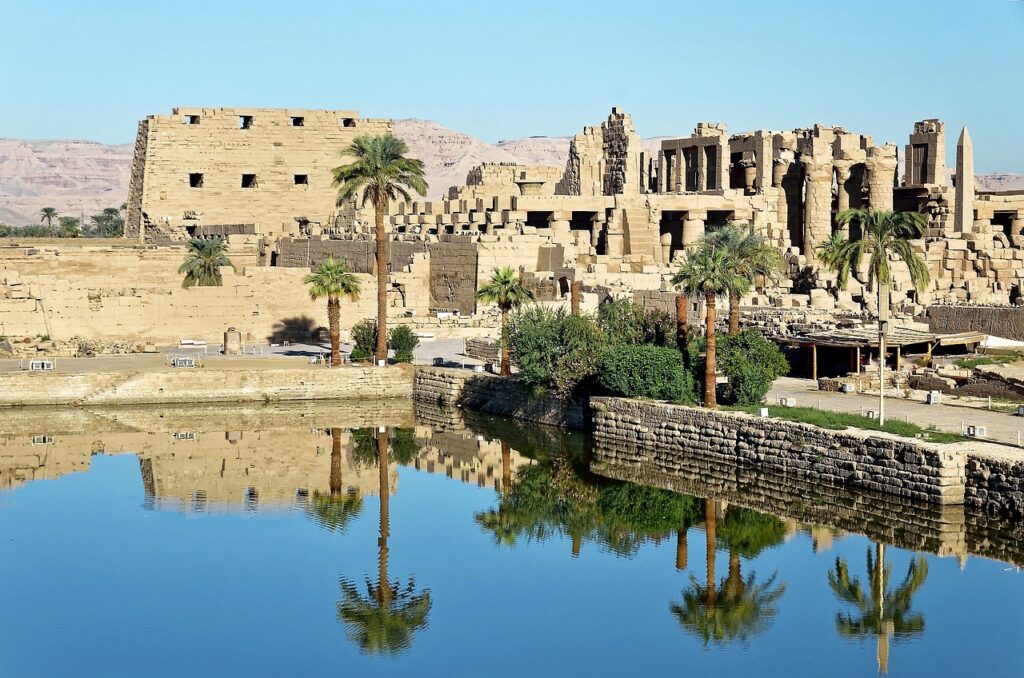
843,195
779,169
693,227
662,171
881,166
817,205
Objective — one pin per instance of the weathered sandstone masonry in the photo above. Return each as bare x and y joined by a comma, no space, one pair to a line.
202,386
491,394
878,462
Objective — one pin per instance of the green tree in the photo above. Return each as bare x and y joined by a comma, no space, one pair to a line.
109,223
48,214
337,508
709,270
752,363
506,291
738,607
554,350
384,619
379,173
203,261
332,280
879,235
755,260
879,612
70,227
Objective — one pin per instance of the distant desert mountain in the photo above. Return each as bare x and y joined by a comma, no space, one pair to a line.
83,177
75,177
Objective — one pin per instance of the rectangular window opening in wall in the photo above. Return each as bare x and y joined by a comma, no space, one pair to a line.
195,180
298,121
302,180
191,119
348,122
244,122
249,181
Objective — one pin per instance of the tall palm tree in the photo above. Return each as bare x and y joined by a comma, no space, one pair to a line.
330,279
48,214
754,259
883,235
385,619
710,269
203,261
507,292
879,612
335,509
380,173
739,607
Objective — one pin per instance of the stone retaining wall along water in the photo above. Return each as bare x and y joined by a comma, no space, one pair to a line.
666,435
203,385
495,395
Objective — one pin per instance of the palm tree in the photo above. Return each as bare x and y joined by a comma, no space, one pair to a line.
884,234
879,612
505,290
330,279
48,214
335,509
203,262
710,269
379,173
754,258
740,607
385,619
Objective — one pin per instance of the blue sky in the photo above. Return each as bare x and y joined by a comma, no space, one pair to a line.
509,69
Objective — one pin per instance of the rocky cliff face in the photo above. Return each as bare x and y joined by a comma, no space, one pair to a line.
73,176
83,177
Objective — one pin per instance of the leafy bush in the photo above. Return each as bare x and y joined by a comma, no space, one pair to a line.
364,335
553,351
624,322
645,371
751,363
402,340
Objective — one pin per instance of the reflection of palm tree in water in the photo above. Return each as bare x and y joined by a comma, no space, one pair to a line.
385,619
738,607
335,509
882,613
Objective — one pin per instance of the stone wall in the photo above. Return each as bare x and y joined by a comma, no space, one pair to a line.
1001,321
995,483
878,462
495,395
453,276
202,385
213,147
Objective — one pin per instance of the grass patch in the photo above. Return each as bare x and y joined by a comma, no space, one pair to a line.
838,421
971,363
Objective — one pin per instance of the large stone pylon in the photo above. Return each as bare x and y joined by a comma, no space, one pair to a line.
963,215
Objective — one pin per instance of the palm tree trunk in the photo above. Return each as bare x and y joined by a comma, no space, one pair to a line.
335,484
882,639
709,532
506,468
379,205
709,361
334,323
506,361
681,550
383,584
734,313
682,320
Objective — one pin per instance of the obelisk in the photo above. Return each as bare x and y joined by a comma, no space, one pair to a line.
963,215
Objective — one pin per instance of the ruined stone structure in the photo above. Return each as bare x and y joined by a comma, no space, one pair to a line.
266,169
612,221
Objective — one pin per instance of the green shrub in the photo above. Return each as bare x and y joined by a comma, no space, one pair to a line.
751,363
644,371
624,322
403,356
553,350
364,336
402,340
359,354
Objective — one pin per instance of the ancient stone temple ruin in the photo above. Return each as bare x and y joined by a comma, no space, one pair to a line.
613,220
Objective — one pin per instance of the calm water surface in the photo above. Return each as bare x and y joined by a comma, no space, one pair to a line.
275,542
